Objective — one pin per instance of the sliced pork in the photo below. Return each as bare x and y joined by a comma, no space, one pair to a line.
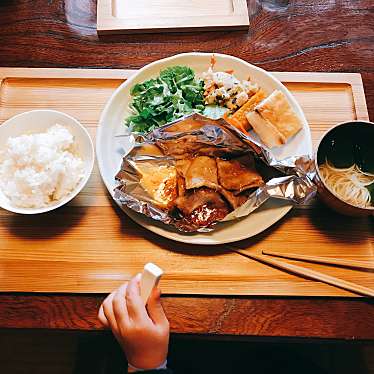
238,174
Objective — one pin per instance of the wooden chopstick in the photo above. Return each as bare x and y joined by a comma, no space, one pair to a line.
312,274
322,260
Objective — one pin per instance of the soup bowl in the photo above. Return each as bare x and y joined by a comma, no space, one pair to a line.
343,145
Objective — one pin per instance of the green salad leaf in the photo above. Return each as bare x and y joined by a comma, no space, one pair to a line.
174,94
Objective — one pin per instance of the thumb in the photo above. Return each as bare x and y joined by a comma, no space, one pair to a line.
155,309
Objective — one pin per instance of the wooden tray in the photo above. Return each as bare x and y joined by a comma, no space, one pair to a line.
92,246
149,16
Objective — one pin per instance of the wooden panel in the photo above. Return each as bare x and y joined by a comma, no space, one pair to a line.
91,246
170,8
148,16
270,318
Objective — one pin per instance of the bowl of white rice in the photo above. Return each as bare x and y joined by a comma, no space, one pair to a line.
46,159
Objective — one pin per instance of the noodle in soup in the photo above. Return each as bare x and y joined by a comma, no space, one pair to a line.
350,184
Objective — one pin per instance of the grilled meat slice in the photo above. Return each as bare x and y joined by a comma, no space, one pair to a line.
238,174
202,206
202,172
234,200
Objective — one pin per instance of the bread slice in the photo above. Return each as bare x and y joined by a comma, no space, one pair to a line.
267,132
276,109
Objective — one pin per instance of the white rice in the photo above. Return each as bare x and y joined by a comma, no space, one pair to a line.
38,170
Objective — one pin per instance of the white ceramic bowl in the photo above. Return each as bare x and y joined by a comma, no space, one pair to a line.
37,121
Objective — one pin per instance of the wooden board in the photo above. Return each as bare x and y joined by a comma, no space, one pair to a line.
148,16
91,246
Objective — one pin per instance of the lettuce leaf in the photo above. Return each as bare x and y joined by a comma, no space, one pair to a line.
174,94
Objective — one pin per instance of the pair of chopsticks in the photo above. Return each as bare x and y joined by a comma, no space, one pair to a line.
312,274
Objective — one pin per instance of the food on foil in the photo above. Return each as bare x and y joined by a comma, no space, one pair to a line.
201,207
238,174
178,92
159,182
197,171
181,171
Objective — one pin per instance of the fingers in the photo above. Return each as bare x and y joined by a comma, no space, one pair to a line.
120,307
135,305
109,313
155,309
101,317
126,303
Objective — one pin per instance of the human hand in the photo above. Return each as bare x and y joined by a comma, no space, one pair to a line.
142,332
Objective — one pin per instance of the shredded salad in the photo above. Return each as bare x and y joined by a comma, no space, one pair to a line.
173,94
177,92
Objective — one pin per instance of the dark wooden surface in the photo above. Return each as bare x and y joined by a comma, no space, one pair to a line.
284,36
271,318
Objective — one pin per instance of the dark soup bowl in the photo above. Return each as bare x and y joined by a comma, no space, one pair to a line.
345,145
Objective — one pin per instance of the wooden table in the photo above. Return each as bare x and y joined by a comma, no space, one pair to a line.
284,36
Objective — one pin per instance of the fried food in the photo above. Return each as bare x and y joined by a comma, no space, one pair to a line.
203,189
202,206
238,174
239,119
235,201
190,179
160,182
274,120
267,132
201,172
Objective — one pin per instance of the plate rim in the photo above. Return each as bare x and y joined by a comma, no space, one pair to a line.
158,230
189,239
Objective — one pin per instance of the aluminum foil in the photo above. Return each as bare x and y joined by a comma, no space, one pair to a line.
289,179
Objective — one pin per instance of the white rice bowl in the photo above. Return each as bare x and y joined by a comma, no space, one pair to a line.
38,170
46,158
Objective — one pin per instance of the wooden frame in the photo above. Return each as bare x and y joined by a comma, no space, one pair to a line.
326,99
163,16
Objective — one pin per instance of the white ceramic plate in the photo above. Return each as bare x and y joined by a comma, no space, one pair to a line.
37,121
110,149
